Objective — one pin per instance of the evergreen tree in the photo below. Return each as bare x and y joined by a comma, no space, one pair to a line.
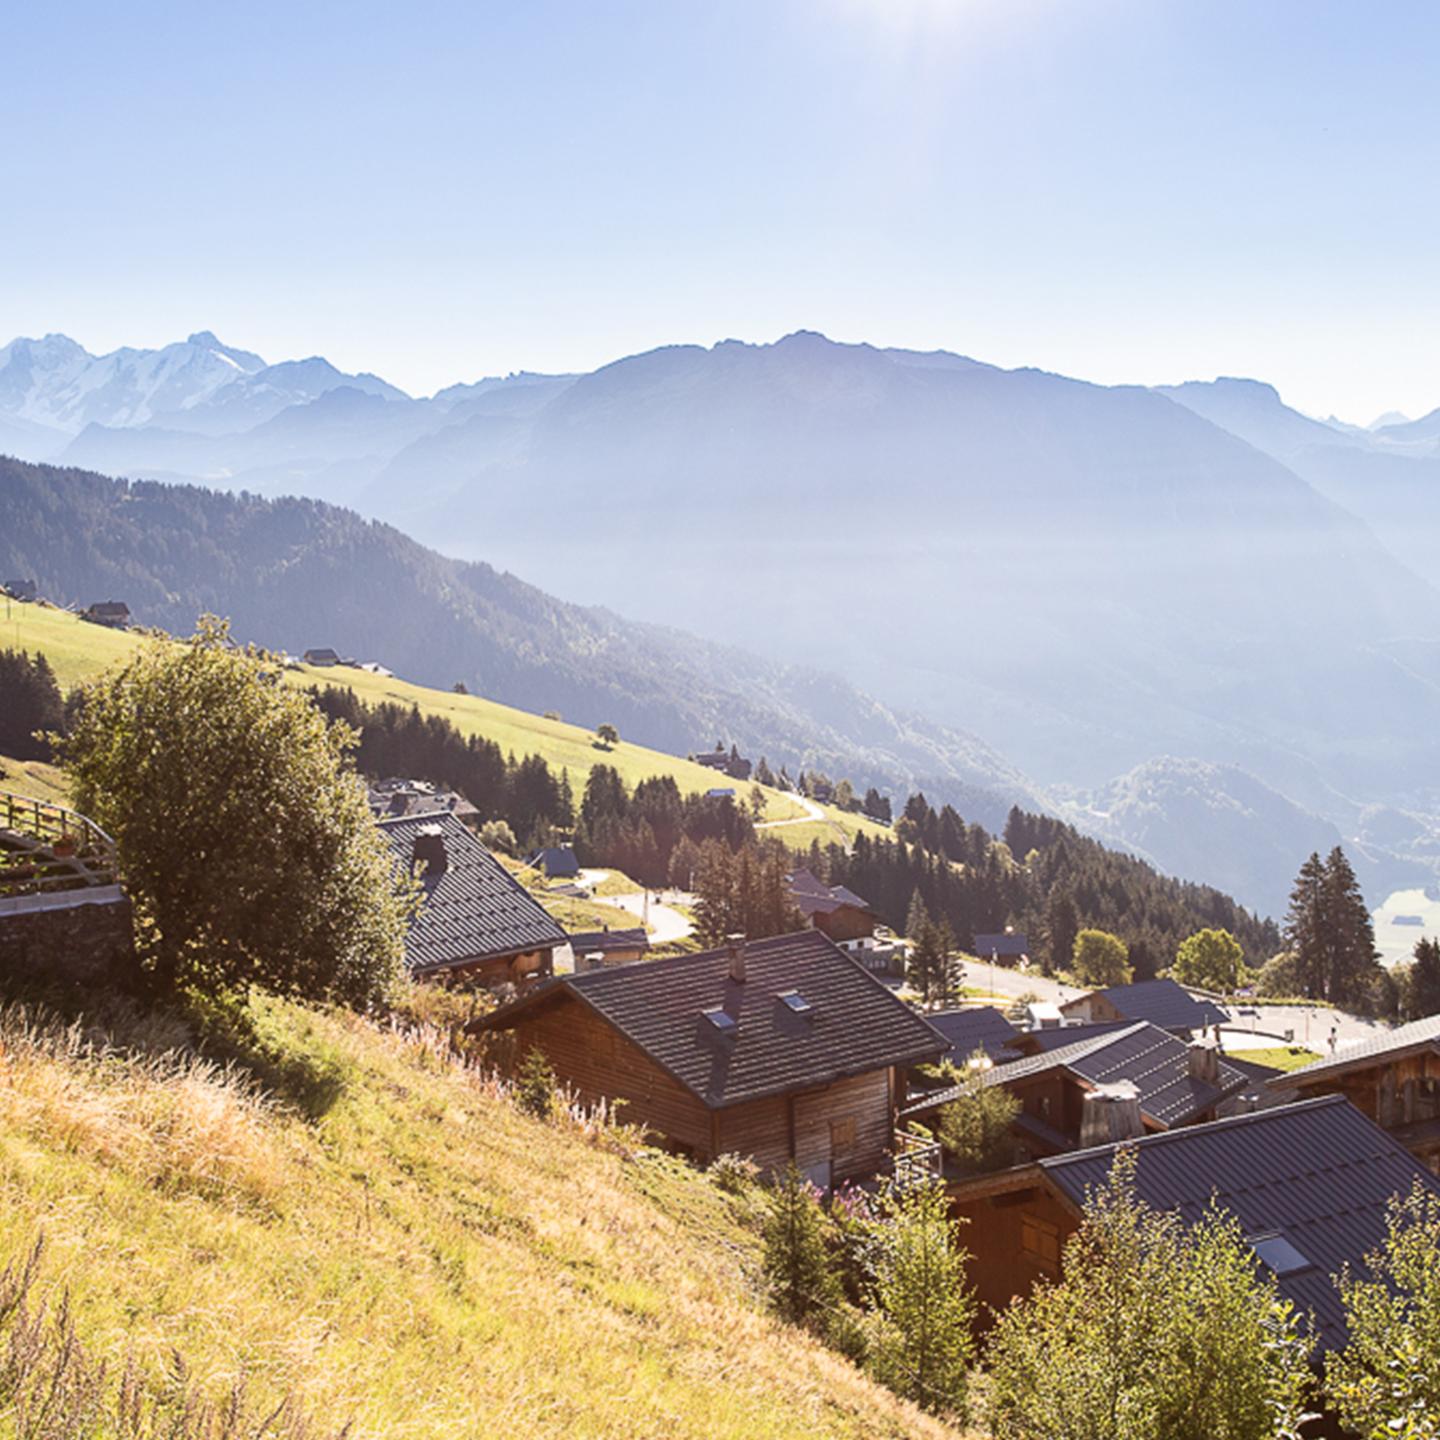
918,917
1424,989
1352,955
877,806
975,1129
535,1085
30,702
1305,936
1062,925
797,1265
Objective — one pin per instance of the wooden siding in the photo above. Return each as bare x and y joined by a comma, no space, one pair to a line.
1399,1095
846,923
1013,1239
595,1060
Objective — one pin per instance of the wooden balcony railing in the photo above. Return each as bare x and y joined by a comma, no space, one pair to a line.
918,1160
47,848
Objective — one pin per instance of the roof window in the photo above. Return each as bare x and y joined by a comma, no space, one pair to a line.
1277,1254
796,1002
721,1020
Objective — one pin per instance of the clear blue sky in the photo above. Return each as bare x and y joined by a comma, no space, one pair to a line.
1128,190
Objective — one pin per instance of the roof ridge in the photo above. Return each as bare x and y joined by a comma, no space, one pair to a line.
1276,1112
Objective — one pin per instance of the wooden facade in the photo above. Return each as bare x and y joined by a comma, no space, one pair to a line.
1401,1095
848,922
490,971
836,1132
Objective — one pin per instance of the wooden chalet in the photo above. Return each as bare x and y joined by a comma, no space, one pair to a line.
1160,1002
322,655
1309,1184
1004,945
114,613
832,909
1393,1078
1115,1085
475,923
782,1050
555,862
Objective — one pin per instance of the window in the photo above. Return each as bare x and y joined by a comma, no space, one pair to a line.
1277,1253
842,1135
723,1022
1040,1240
796,1002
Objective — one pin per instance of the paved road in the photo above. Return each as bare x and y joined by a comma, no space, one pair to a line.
665,923
812,813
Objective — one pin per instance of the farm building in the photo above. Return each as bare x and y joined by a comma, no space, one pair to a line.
114,613
832,909
596,948
1161,1002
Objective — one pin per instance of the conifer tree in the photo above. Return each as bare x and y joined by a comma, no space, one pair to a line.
1353,955
1305,928
797,1264
1424,997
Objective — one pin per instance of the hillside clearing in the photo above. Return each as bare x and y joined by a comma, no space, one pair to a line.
419,1259
78,650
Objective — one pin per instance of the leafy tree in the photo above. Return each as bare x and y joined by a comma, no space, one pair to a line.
497,835
1100,959
797,1264
1158,1329
607,735
1385,1383
925,1344
31,705
1210,959
247,845
535,1085
975,1129
1424,988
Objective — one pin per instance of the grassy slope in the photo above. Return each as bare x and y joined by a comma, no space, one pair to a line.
78,651
423,1260
34,778
1281,1057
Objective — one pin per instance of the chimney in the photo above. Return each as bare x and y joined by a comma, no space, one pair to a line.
735,944
1204,1062
1111,1113
429,851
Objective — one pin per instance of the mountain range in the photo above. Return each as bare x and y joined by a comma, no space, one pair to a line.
1101,581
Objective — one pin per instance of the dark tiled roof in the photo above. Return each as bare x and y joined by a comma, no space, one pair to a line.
556,860
814,897
1408,1039
967,1031
1004,945
1062,1036
1317,1172
475,909
1162,1003
1155,1061
854,1024
588,942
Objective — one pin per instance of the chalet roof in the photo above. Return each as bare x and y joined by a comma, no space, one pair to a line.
814,897
556,860
852,1023
475,909
113,608
1057,1038
588,942
1153,1060
966,1031
1404,1040
1317,1173
1007,945
322,655
1161,1002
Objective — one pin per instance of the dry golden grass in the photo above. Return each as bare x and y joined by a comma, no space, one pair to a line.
421,1260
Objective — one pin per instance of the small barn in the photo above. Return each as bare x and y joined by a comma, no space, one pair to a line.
781,1049
1005,946
555,862
833,910
323,655
114,613
475,923
596,948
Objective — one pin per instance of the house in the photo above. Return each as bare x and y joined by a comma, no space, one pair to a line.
1308,1183
1140,1078
1161,1002
475,922
781,1049
982,1027
26,590
555,862
595,948
721,792
729,762
1007,946
114,613
322,656
1393,1078
394,797
832,909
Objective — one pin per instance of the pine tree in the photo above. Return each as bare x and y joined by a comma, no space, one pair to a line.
1305,928
918,917
1424,997
797,1265
1352,953
1062,925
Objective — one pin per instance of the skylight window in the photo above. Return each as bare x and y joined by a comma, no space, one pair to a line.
723,1022
796,1002
1278,1254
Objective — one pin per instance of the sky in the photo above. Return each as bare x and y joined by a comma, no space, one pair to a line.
1122,190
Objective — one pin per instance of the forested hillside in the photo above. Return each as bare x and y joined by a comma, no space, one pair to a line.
296,573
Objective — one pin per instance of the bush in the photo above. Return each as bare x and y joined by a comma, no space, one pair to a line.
734,1174
975,1129
535,1085
497,835
1100,959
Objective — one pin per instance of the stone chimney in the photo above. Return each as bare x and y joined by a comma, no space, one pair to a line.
1205,1062
1111,1113
429,852
735,944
